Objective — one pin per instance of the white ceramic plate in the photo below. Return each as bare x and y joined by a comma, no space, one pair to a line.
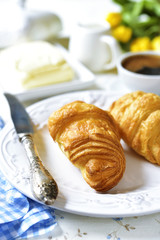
83,78
138,193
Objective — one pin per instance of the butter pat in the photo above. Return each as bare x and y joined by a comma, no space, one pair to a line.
35,64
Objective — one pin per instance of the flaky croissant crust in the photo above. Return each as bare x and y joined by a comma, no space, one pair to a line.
89,138
138,118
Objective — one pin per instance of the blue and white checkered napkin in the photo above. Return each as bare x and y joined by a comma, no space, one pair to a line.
21,216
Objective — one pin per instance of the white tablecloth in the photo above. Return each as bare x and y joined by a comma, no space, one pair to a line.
74,227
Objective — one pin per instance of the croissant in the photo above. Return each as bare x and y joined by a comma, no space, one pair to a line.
88,136
138,118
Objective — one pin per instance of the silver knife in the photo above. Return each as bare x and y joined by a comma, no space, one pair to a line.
43,185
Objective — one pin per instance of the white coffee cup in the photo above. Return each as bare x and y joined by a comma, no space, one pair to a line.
127,66
93,45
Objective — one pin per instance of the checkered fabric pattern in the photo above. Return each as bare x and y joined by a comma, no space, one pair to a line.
21,216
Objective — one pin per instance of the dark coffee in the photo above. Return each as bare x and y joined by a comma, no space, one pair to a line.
143,64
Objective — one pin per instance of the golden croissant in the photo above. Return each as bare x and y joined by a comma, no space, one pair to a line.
88,136
138,118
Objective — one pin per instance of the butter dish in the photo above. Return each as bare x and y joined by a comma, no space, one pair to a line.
38,69
35,64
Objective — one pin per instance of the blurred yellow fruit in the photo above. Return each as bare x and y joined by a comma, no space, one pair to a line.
155,43
141,44
122,33
114,19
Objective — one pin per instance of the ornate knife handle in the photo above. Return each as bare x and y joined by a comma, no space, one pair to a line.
43,185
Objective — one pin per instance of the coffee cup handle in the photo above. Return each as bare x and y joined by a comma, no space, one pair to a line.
115,51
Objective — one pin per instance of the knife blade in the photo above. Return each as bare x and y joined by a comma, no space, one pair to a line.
43,185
